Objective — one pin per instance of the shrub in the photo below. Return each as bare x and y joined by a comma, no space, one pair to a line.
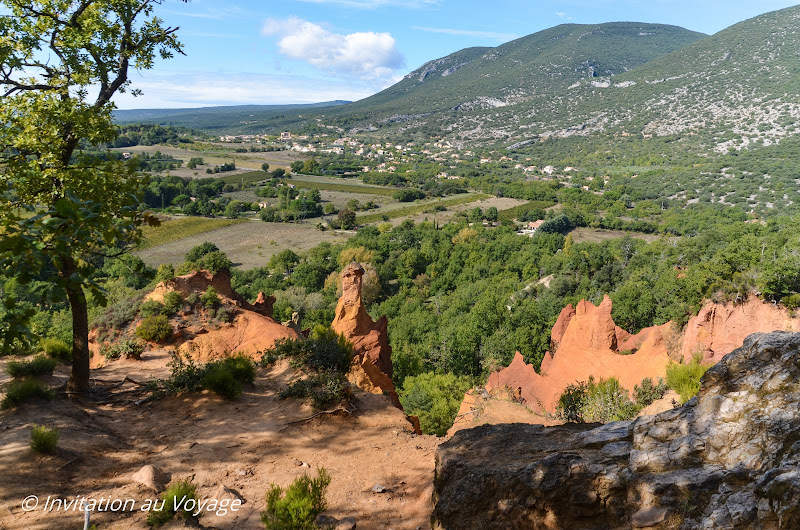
221,381
185,375
325,389
297,509
571,402
176,494
435,399
201,250
193,299
685,378
130,349
645,393
243,368
209,298
603,401
224,314
118,315
57,349
38,366
214,262
173,302
607,401
165,272
22,391
155,329
150,308
44,439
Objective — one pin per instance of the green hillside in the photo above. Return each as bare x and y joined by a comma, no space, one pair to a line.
229,119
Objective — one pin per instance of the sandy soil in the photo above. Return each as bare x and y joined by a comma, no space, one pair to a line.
248,245
243,445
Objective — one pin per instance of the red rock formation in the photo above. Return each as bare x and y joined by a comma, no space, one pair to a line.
372,364
586,344
250,333
199,281
719,329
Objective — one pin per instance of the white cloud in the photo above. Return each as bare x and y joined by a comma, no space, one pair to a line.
373,4
500,37
202,89
363,55
564,16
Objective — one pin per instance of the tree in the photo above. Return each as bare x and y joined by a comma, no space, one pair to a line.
64,209
347,219
265,167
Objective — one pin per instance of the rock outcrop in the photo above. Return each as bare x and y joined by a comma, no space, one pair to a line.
252,331
372,363
586,343
199,281
729,458
719,328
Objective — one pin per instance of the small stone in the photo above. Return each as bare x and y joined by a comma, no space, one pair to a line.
377,488
647,517
298,462
306,465
346,523
324,520
151,477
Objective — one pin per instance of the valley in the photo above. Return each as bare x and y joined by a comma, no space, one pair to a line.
552,283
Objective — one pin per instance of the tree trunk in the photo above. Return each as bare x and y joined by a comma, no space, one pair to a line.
79,379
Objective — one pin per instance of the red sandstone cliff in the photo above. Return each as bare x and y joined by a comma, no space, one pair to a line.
718,329
586,343
372,363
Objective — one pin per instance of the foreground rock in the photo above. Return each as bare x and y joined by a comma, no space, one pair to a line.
729,458
372,365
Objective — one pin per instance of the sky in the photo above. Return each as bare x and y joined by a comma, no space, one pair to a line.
305,51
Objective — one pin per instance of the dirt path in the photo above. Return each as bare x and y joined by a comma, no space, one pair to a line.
243,445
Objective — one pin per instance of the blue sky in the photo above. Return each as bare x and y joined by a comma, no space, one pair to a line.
304,51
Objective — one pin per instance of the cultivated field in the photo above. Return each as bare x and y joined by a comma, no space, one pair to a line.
598,235
248,244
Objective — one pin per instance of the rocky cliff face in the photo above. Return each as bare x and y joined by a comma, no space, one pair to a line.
586,343
729,458
719,328
372,365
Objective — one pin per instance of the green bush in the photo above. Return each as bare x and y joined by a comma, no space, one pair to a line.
179,492
44,439
323,350
193,299
297,509
646,392
201,250
603,401
22,391
119,315
57,349
607,401
150,308
130,349
325,388
685,378
435,399
224,314
214,262
242,367
38,366
222,382
165,272
155,329
209,299
173,302
185,375
571,402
